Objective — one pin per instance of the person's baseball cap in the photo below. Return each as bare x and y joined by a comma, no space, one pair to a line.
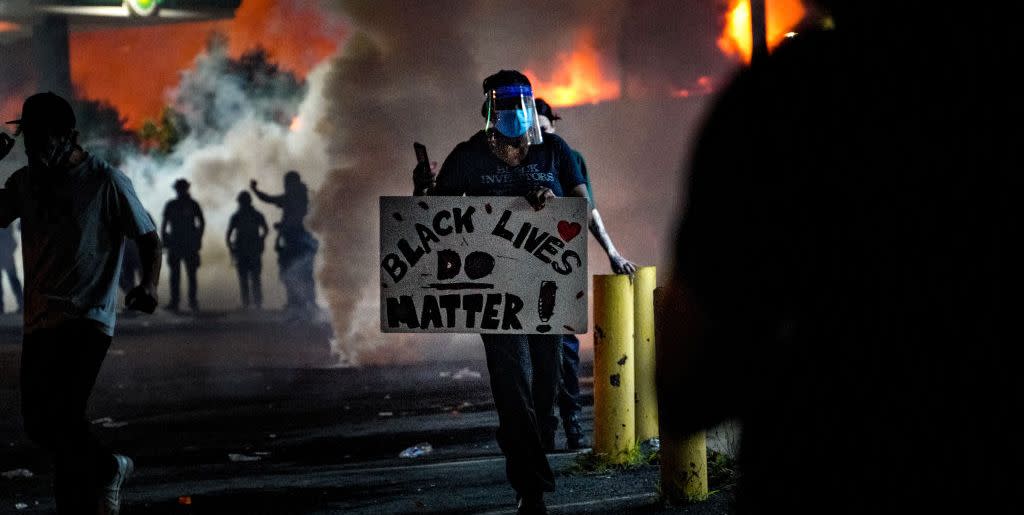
505,78
544,109
46,111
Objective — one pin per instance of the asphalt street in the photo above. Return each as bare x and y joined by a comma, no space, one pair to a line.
249,414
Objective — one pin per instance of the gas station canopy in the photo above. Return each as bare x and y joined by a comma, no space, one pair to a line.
115,13
48,23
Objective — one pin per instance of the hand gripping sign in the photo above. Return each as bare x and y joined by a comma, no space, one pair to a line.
483,265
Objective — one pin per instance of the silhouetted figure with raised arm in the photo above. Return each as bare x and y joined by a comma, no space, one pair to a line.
182,231
296,247
75,211
247,232
8,244
848,269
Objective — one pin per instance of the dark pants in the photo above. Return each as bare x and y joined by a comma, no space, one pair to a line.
569,406
524,372
58,370
249,271
300,286
191,263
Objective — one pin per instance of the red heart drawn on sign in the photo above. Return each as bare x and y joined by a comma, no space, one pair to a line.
568,230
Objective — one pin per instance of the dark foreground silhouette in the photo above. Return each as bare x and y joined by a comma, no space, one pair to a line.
848,268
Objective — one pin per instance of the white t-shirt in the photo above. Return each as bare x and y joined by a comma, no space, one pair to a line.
73,226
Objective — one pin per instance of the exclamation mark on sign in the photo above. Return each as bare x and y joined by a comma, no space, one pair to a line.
546,304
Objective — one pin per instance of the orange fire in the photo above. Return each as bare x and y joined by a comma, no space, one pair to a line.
6,26
580,77
134,68
781,16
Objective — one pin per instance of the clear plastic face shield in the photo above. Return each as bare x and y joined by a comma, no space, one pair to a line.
512,113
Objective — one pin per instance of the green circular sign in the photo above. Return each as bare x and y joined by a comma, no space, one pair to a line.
143,7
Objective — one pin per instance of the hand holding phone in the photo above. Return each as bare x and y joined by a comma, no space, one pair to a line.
7,144
423,176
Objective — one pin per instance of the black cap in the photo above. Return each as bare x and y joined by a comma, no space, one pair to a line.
505,78
182,184
46,111
544,109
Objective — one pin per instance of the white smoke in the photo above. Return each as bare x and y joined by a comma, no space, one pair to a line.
235,136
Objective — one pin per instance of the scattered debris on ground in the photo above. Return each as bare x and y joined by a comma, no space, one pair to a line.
17,474
420,449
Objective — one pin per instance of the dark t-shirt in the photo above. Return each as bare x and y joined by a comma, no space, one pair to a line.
183,216
472,169
586,177
246,224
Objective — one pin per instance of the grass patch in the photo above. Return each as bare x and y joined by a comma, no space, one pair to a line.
591,464
723,473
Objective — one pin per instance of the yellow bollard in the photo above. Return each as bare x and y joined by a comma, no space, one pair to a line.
614,390
684,468
684,460
646,389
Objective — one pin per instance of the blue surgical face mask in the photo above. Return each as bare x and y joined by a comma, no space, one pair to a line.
513,123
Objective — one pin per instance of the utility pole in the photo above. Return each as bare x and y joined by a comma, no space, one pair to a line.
52,56
758,30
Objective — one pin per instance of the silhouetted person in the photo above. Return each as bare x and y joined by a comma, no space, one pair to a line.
848,268
75,213
8,244
569,406
247,232
182,231
296,247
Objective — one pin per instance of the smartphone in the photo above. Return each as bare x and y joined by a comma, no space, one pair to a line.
421,154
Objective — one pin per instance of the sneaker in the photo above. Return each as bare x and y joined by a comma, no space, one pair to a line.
531,504
111,494
574,439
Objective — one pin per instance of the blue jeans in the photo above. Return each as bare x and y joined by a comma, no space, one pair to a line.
569,394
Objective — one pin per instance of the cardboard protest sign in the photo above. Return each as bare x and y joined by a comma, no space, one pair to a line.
483,265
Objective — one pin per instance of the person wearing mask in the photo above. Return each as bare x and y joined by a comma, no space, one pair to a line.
524,369
75,211
569,407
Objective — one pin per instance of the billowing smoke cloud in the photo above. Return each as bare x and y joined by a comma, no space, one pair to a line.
401,78
234,133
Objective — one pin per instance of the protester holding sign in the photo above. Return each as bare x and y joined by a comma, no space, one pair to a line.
511,157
